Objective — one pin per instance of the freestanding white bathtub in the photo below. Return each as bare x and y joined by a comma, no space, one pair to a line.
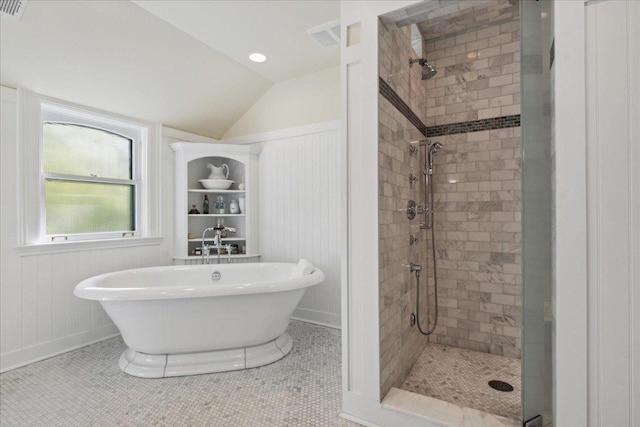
180,320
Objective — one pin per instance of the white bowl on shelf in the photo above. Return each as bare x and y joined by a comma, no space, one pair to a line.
216,184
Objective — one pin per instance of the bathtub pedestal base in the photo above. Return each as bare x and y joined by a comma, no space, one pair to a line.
176,365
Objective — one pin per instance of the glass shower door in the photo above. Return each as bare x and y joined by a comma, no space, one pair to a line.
536,60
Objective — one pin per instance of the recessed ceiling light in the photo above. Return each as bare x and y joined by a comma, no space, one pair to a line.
257,57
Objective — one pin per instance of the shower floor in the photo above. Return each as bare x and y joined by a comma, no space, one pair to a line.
461,376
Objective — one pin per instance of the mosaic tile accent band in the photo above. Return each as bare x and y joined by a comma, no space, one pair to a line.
391,95
448,129
475,126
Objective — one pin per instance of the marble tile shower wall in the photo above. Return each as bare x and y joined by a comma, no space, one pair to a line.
477,190
477,220
400,344
478,71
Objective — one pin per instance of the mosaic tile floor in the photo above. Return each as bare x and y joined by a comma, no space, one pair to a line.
460,376
85,387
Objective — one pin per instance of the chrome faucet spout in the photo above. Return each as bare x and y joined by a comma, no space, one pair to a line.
217,243
204,247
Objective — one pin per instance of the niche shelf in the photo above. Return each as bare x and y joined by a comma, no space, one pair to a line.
191,166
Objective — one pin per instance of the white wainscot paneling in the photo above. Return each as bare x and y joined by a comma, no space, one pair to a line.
299,206
613,185
39,315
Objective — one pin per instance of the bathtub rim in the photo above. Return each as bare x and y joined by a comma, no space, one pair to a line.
90,290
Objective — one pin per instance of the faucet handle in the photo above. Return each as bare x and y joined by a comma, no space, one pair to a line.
228,249
230,229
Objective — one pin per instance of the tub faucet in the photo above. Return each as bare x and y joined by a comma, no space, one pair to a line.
217,243
206,248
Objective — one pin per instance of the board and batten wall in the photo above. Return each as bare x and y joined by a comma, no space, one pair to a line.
39,315
299,208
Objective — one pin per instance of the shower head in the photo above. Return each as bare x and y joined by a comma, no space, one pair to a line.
427,70
435,147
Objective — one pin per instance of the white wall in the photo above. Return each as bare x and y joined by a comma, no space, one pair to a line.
39,314
299,205
569,299
313,98
116,56
613,193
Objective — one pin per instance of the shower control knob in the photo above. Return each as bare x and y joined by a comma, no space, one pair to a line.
413,240
411,209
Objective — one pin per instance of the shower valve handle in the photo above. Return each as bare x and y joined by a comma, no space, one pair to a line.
410,209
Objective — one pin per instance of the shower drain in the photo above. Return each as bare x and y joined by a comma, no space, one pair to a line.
500,385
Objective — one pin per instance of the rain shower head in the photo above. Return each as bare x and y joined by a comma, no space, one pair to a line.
427,70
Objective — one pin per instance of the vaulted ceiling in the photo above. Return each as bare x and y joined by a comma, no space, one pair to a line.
181,63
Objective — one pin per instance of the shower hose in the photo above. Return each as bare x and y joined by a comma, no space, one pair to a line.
435,275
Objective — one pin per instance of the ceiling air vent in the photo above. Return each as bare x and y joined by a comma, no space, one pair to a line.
327,34
12,8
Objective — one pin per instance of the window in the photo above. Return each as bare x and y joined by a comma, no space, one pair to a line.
89,184
87,175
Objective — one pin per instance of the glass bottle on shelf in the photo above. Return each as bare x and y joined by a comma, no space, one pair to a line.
233,207
219,205
205,205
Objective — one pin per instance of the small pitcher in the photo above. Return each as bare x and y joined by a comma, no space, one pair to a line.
218,172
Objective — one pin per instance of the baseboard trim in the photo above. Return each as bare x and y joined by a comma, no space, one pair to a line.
38,352
330,320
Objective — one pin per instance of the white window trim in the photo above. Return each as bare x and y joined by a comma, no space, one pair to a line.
31,185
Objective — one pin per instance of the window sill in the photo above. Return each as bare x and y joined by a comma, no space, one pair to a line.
61,247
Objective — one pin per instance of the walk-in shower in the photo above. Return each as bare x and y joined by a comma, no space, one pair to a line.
451,274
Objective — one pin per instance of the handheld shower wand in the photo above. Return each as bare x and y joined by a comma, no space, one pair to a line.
434,148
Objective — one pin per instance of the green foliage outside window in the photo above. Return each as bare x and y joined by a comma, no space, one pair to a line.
77,160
